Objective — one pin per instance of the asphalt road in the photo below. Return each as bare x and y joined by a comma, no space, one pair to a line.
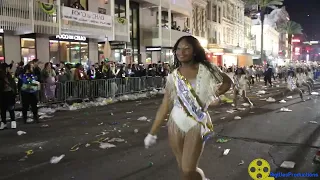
263,132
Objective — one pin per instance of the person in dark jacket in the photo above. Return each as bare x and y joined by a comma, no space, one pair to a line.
8,92
29,87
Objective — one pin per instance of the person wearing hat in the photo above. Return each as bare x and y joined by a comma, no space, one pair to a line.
8,92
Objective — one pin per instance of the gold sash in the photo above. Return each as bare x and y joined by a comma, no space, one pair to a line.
194,94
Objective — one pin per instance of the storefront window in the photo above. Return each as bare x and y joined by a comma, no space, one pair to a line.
100,52
28,49
84,52
68,52
120,8
1,49
166,56
54,52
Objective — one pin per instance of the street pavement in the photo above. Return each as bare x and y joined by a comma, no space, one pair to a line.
263,132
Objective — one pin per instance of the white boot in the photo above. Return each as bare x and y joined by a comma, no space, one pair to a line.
2,125
13,124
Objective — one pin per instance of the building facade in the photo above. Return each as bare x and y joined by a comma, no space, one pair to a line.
227,36
75,31
163,22
63,31
270,40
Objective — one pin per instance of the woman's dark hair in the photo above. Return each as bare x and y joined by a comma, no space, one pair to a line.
27,68
199,55
239,71
291,72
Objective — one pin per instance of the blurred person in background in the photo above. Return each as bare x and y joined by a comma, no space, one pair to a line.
8,92
49,78
29,88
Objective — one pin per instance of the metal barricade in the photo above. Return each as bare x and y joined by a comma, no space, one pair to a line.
51,93
74,90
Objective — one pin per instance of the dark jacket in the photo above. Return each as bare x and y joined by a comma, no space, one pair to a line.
8,82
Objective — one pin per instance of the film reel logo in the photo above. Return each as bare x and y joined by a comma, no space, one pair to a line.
259,169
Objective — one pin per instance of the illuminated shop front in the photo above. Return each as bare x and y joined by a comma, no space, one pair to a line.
68,49
156,54
28,48
2,48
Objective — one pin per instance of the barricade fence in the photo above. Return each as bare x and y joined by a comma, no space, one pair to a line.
60,92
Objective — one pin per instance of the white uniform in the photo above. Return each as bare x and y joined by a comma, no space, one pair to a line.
301,78
205,87
242,82
291,83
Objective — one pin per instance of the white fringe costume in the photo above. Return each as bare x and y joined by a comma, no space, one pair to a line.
243,83
205,86
301,78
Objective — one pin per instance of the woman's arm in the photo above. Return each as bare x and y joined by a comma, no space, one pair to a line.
226,84
161,113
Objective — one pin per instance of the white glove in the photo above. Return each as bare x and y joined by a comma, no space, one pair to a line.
150,140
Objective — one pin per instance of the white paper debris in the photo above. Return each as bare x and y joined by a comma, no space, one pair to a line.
313,122
285,110
21,133
106,145
230,111
56,159
282,101
270,99
136,131
226,152
143,118
116,140
241,109
289,97
222,118
261,92
288,164
87,145
237,118
315,93
245,104
241,163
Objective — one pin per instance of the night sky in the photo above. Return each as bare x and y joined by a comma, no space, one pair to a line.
306,13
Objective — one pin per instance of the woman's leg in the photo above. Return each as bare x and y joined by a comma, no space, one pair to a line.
235,97
285,92
34,107
245,98
25,100
307,85
176,139
300,93
192,150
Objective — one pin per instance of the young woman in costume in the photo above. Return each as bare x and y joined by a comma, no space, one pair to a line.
191,87
240,87
310,76
292,85
302,79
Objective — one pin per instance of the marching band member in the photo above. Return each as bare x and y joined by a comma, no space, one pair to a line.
302,79
291,85
310,75
192,86
240,86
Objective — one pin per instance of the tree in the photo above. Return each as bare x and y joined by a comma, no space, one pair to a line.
263,5
291,28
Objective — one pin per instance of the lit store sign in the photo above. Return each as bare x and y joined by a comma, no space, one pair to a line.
71,37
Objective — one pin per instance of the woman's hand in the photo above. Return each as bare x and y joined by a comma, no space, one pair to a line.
150,140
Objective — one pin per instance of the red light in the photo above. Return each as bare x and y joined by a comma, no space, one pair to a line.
295,40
